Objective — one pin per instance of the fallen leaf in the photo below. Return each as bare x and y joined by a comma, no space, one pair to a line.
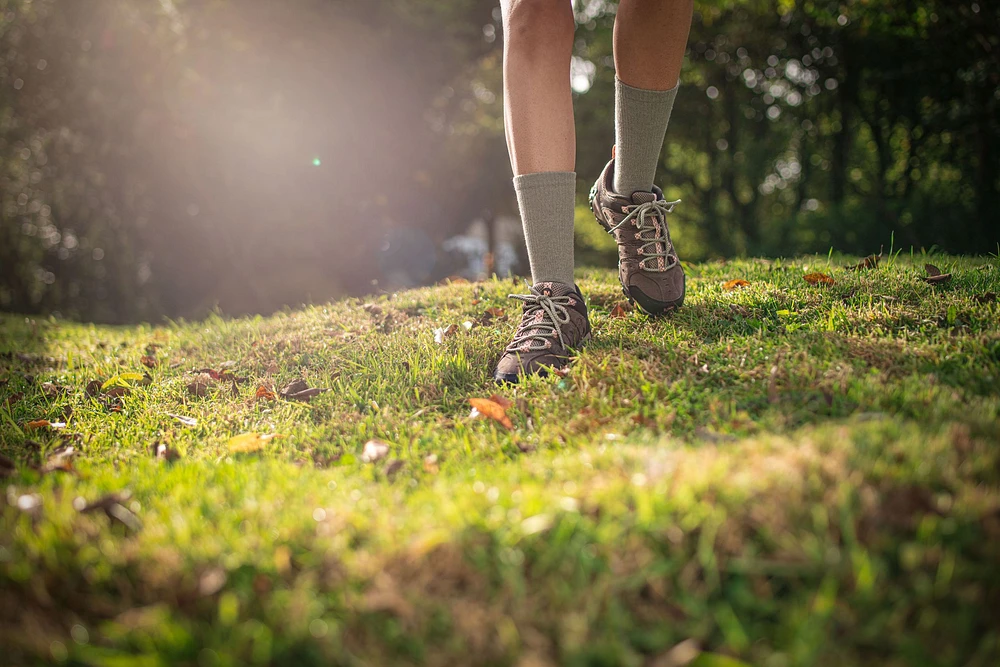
372,309
263,393
164,452
869,262
14,398
374,450
201,384
60,460
502,401
187,421
680,655
44,423
148,361
431,464
989,297
212,581
393,467
116,391
271,369
112,506
735,284
491,409
298,390
934,275
445,332
247,443
621,310
94,387
52,390
454,280
818,279
7,466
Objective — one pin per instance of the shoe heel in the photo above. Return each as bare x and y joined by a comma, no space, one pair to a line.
593,209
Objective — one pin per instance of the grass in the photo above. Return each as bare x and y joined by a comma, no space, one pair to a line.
778,475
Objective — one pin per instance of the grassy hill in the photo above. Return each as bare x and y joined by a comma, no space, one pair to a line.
780,474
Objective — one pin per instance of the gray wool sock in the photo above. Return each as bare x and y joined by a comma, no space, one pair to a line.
546,201
641,118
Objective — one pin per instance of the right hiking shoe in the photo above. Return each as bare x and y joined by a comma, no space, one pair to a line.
553,322
648,268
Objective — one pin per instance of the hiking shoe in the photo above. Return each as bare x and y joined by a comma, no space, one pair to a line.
553,322
648,268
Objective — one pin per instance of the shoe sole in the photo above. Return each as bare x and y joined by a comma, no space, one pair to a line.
667,307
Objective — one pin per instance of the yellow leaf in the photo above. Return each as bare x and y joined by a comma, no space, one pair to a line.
733,284
247,443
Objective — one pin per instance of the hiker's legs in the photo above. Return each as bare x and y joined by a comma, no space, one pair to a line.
538,102
649,42
538,121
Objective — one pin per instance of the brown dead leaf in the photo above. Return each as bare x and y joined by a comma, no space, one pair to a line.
431,464
52,390
496,312
60,460
445,332
94,387
502,401
263,393
934,275
187,421
989,297
148,361
621,310
164,452
14,398
116,392
201,384
491,409
374,450
735,284
819,279
869,262
44,423
298,390
112,505
393,467
7,467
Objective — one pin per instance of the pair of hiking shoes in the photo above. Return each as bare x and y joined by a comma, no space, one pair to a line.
554,317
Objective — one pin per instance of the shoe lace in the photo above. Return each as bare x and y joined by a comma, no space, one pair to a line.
645,216
556,314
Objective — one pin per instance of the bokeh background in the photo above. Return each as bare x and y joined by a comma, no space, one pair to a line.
164,158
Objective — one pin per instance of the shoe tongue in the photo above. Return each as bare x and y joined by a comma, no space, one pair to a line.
554,289
643,197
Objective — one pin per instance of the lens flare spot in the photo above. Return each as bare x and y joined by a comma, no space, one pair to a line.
317,162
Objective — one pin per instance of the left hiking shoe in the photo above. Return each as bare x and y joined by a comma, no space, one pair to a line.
553,322
648,267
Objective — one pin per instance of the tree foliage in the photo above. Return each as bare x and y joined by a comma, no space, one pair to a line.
164,158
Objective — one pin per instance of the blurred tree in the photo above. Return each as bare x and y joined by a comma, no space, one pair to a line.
159,159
